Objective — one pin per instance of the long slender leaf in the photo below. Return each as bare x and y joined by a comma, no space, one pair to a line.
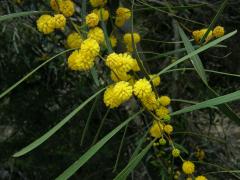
53,130
32,72
197,51
86,156
19,14
133,163
211,102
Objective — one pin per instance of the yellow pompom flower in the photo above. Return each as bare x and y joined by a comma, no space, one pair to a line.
135,66
123,13
218,31
54,5
67,8
74,40
168,129
96,3
46,24
92,20
156,129
175,152
198,34
119,22
164,100
60,21
188,167
127,62
142,88
117,76
117,94
79,60
162,112
105,13
113,41
200,178
97,34
150,101
128,38
155,79
90,47
113,61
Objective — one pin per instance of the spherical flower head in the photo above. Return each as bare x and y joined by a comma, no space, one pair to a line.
188,167
162,112
150,101
127,62
113,61
117,94
46,24
54,5
123,13
162,141
142,88
200,178
113,41
164,100
92,20
156,129
96,34
175,152
167,118
198,35
96,3
128,38
74,40
60,21
168,129
218,31
67,8
90,47
80,61
105,13
155,79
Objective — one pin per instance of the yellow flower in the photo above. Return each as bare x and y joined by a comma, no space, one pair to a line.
117,94
74,40
198,34
135,66
46,24
175,152
60,21
200,178
90,47
168,129
123,13
162,112
79,60
200,154
142,88
54,5
96,3
105,13
188,167
156,129
67,8
128,38
97,34
113,61
218,31
92,20
113,41
155,79
164,100
117,76
150,101
119,22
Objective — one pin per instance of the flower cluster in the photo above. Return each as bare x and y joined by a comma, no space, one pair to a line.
66,7
217,32
131,40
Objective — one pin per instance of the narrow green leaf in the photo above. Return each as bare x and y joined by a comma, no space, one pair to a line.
214,21
20,14
31,73
197,51
212,102
134,162
95,76
47,135
93,150
196,61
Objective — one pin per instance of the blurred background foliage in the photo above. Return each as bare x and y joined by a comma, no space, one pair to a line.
54,91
